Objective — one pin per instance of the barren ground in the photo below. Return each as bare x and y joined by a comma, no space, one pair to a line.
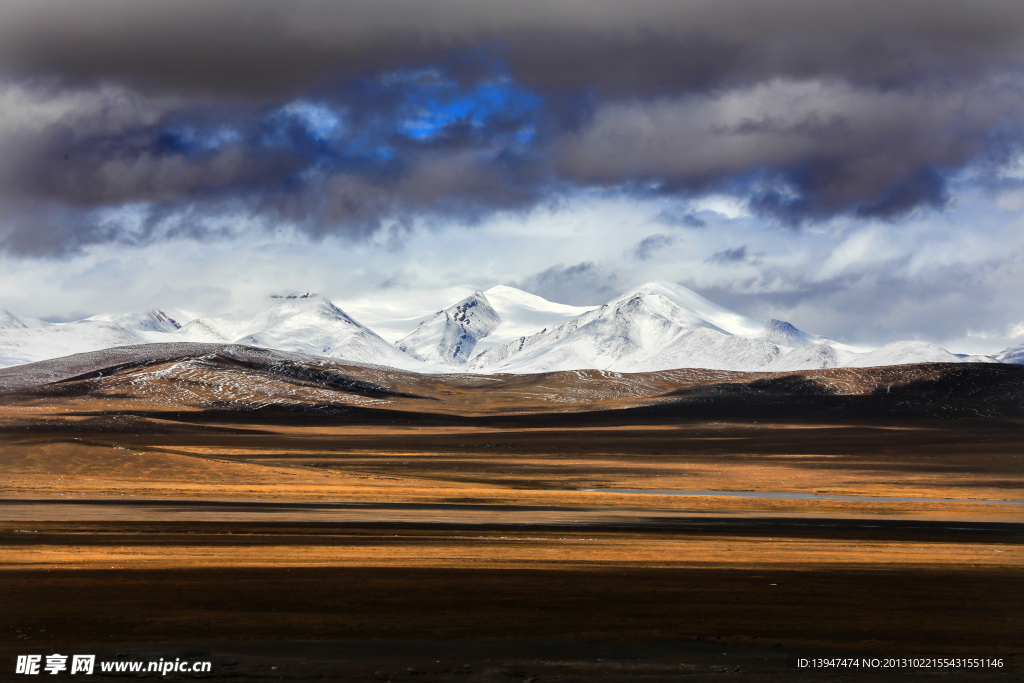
402,544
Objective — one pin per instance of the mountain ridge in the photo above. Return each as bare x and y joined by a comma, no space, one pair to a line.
655,326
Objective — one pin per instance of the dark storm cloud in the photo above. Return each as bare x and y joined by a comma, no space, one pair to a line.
584,284
617,47
805,150
727,256
341,116
408,150
651,245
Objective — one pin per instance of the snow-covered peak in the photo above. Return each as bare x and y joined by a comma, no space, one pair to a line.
1014,354
784,334
205,330
523,314
150,321
778,332
507,299
719,316
451,335
625,333
9,321
660,325
655,326
284,308
301,323
904,352
287,314
639,309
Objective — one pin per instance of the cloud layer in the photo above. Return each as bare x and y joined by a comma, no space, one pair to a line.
854,166
136,121
261,48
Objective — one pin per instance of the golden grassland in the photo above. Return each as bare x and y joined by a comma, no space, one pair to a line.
472,524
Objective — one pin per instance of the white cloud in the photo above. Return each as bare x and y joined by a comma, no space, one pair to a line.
730,207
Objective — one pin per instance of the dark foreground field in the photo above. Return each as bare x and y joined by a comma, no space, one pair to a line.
291,522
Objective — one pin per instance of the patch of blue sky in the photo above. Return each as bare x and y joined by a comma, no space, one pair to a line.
368,147
424,127
526,134
370,140
418,105
435,106
318,120
191,140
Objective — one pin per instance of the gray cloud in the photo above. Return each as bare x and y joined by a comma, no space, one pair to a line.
584,284
256,47
680,219
649,246
803,149
69,159
727,256
805,110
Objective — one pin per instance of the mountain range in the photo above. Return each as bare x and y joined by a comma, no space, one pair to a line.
656,326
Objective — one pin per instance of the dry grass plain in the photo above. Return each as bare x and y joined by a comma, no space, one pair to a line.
447,525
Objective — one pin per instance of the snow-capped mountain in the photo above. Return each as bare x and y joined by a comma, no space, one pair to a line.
452,334
661,326
523,314
311,324
784,334
9,321
52,340
299,323
150,321
482,321
812,357
1014,354
657,326
905,352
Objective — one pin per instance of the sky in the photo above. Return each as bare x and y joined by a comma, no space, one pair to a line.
854,167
